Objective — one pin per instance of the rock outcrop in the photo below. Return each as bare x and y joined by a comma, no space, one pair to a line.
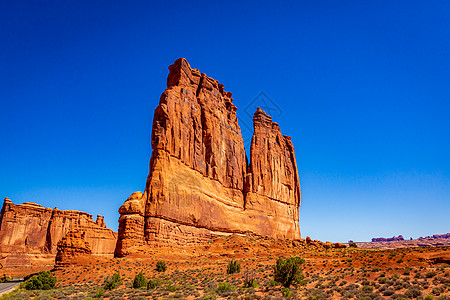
29,231
200,184
71,246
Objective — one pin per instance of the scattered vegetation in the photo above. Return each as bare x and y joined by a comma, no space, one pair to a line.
288,271
139,281
112,283
44,280
4,279
161,266
233,267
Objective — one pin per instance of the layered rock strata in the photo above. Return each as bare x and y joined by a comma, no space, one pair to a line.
71,246
200,184
29,231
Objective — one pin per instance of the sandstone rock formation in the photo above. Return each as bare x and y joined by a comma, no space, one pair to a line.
200,185
29,231
72,245
319,244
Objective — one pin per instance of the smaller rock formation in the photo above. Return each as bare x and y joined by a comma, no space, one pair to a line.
71,246
321,245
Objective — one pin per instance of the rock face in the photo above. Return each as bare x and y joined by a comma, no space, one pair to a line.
71,246
29,230
200,185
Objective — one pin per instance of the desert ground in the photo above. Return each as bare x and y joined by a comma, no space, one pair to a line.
200,272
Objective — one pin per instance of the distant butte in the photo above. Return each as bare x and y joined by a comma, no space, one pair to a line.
29,233
200,185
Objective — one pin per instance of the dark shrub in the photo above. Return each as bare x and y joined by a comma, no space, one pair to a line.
161,266
413,292
233,267
112,283
353,245
286,292
139,281
288,271
151,285
44,280
388,292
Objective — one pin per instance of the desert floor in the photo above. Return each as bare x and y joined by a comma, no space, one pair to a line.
200,272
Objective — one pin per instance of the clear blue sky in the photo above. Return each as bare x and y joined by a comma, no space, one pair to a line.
362,87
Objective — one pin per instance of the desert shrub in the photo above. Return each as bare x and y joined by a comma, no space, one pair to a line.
437,290
288,271
443,297
172,287
353,245
388,292
139,281
233,267
367,289
224,287
99,293
4,279
286,292
112,283
44,280
430,274
429,297
250,280
413,292
151,285
161,266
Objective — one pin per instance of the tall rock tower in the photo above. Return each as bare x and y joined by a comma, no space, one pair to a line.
199,185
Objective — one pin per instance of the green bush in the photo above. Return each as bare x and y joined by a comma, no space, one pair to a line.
286,292
353,245
139,281
151,285
225,287
429,297
100,293
112,283
233,267
161,266
4,279
288,271
44,280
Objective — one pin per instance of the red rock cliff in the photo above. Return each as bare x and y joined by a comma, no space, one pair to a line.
196,187
28,229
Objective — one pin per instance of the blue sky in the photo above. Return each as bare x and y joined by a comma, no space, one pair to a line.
362,87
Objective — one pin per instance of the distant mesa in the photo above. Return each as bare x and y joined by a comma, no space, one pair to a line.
29,233
201,184
394,238
400,242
